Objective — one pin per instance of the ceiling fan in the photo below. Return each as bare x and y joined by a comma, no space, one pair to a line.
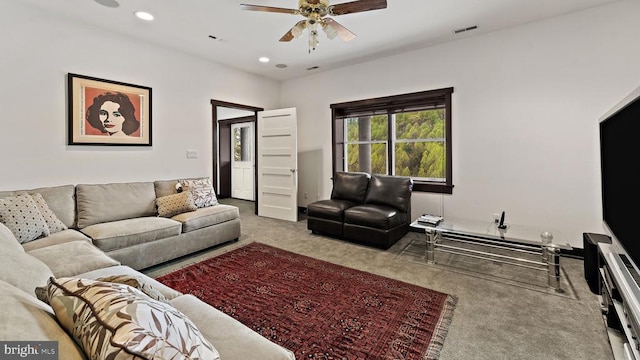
316,13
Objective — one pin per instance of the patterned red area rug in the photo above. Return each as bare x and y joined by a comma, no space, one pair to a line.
317,309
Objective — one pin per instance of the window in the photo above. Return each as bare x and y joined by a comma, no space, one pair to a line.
405,135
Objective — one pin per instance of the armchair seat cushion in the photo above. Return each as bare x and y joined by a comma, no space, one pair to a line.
329,209
375,216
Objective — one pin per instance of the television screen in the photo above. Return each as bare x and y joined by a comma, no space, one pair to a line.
619,158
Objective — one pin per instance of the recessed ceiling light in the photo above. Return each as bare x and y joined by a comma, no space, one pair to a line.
313,67
263,59
144,15
281,66
108,3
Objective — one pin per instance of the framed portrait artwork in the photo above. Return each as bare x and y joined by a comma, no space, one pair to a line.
106,112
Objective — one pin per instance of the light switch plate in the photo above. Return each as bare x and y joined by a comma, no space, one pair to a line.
192,154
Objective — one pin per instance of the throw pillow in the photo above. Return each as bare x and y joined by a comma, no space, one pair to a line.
133,281
55,225
112,320
202,191
137,282
171,205
21,215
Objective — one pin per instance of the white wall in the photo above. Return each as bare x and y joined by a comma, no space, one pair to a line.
38,50
526,106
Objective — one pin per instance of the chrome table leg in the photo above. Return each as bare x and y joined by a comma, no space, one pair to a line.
432,237
552,258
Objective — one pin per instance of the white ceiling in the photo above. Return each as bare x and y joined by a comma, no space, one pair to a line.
243,36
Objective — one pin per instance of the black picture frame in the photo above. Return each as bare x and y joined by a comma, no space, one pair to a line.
107,112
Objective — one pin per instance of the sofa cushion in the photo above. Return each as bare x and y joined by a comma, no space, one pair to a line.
174,204
21,215
125,233
54,224
101,203
166,291
351,186
25,318
8,241
202,191
393,191
232,339
72,258
22,270
110,320
60,199
165,187
374,216
207,216
329,209
57,238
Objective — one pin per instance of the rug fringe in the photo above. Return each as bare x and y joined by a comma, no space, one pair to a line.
441,329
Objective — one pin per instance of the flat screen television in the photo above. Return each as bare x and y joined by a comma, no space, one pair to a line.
619,161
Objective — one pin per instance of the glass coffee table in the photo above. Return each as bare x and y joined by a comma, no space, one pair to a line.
510,246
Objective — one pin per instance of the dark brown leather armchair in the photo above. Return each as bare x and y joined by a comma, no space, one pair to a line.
368,209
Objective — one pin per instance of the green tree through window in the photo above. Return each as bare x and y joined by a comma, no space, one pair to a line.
405,135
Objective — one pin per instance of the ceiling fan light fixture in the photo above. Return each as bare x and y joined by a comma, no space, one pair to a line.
329,30
313,40
317,11
297,30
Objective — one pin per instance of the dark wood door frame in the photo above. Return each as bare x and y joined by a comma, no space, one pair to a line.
222,148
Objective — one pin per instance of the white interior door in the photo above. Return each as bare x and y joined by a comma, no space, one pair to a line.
242,161
277,164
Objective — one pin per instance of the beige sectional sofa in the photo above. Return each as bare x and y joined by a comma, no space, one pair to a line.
112,231
122,220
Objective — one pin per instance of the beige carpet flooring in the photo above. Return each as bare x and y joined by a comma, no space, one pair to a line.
503,312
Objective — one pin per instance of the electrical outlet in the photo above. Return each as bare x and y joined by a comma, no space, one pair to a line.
306,196
192,154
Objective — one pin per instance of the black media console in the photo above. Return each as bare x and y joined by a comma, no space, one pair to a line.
620,292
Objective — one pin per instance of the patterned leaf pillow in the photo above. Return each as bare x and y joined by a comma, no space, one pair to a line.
112,321
55,225
175,204
202,191
21,215
137,282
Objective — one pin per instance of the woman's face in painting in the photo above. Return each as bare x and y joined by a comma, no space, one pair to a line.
111,117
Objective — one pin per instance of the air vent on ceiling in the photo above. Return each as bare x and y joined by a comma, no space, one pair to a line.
458,31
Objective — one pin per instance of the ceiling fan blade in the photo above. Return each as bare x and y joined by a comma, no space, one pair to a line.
300,25
343,32
287,37
357,6
268,9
